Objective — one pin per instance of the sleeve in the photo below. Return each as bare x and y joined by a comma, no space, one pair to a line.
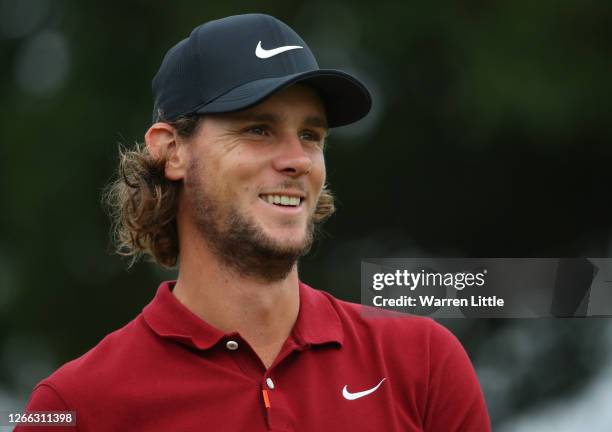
455,402
45,398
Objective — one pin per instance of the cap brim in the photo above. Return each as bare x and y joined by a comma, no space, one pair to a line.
346,99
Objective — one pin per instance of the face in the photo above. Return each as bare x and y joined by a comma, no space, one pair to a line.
254,179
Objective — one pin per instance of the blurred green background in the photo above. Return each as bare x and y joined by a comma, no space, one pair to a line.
489,137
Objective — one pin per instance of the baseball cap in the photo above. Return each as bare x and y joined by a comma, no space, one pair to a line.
235,62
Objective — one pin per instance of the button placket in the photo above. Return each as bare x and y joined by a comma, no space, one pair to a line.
279,415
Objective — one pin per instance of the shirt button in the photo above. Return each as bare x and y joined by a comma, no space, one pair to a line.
270,383
231,345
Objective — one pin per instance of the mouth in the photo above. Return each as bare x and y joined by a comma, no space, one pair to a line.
280,200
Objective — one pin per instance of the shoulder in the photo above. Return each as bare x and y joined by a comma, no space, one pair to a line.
417,345
97,366
389,325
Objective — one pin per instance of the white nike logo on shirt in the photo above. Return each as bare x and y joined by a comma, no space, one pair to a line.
352,396
264,53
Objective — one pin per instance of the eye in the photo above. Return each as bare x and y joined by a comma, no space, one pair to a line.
309,135
315,138
258,130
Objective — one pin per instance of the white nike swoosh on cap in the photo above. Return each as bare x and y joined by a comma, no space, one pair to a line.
264,53
352,396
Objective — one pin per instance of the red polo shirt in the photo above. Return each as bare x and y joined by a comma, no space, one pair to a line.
167,370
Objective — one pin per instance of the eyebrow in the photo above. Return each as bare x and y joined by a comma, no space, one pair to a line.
313,120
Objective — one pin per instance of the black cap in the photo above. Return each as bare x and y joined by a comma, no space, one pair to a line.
235,62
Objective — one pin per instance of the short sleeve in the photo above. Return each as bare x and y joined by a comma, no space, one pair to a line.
46,398
455,401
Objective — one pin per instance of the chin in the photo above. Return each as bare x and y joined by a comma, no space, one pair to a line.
296,238
284,232
291,241
287,239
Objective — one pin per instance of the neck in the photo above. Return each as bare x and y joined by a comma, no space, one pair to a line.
262,312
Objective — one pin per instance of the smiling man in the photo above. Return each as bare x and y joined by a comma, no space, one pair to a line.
230,187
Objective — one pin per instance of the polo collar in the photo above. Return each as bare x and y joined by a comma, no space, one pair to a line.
317,322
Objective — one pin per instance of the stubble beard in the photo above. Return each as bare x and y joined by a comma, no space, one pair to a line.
237,241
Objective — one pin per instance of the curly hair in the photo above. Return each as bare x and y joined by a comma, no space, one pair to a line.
142,203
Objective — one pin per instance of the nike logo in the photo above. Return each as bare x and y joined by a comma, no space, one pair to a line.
352,396
264,53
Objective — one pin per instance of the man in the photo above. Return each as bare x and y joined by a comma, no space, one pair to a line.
230,186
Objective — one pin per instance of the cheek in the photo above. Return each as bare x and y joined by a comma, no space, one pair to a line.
240,164
239,176
318,171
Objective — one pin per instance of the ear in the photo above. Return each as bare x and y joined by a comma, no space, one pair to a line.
162,140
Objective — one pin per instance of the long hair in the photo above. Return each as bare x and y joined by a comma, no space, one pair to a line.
142,203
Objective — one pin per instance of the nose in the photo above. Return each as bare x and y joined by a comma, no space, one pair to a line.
292,160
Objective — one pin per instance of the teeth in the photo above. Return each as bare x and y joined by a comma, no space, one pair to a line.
282,200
